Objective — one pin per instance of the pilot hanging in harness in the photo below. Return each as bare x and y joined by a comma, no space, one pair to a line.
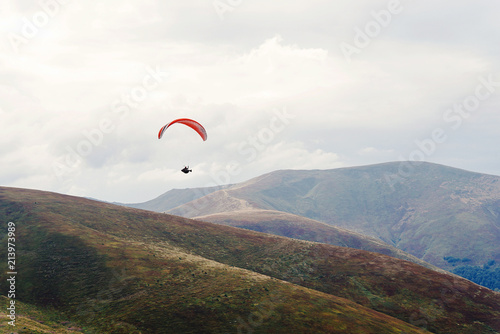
186,170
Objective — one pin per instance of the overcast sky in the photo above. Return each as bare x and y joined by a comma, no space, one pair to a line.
85,87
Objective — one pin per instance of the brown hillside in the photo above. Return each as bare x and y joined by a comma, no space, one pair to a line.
195,276
297,227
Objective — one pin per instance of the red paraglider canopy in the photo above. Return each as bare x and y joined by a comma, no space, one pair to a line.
189,122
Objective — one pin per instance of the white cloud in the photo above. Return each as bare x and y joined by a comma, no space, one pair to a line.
232,75
294,155
374,151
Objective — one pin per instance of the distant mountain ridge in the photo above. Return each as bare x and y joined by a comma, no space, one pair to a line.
174,198
432,211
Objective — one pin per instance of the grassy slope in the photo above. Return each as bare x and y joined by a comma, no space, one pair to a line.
298,227
153,270
31,319
96,263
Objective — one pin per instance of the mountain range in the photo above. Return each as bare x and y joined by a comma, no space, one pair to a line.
86,266
442,215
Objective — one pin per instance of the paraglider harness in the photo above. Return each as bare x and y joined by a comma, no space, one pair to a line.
186,170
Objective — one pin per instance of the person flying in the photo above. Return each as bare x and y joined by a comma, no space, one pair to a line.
186,170
190,123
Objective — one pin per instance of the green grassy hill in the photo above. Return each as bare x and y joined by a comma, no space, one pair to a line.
100,268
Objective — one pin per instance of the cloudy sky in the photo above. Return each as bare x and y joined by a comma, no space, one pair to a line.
85,87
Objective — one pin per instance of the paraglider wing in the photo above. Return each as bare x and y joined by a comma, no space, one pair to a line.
189,122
